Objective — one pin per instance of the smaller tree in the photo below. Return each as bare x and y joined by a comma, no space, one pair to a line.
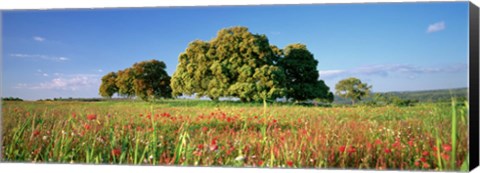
352,88
151,81
108,86
124,82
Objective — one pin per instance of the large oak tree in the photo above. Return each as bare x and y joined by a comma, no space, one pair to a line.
236,63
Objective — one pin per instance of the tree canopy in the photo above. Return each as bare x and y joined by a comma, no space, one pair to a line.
147,80
236,63
108,86
302,75
352,88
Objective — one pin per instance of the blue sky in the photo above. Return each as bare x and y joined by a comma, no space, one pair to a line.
392,46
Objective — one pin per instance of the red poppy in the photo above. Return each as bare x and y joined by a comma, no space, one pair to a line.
36,133
387,150
341,149
378,142
410,143
87,126
290,163
447,147
423,159
426,165
204,129
200,146
260,163
74,115
116,152
91,117
274,121
417,163
396,144
425,153
445,156
351,149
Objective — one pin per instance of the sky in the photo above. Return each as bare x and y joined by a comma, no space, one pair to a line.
391,46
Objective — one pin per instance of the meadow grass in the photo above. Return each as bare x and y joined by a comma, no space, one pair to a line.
203,133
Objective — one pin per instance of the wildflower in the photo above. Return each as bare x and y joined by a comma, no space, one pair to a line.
410,143
213,147
45,138
423,159
351,149
447,148
240,158
425,153
341,149
417,163
116,152
200,146
87,126
36,133
204,129
290,163
378,142
260,163
387,150
426,165
91,117
445,156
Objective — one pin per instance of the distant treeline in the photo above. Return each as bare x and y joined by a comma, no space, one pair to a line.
74,99
11,99
442,95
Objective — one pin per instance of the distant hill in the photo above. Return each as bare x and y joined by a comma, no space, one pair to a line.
441,95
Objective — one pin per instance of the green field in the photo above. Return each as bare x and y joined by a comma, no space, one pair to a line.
429,136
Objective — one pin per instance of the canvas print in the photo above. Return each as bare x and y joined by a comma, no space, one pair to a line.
376,86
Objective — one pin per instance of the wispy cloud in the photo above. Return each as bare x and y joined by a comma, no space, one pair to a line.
386,69
42,57
64,82
38,38
436,27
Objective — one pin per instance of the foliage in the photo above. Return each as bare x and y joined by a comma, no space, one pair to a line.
302,75
124,82
151,81
352,88
108,86
147,80
236,63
